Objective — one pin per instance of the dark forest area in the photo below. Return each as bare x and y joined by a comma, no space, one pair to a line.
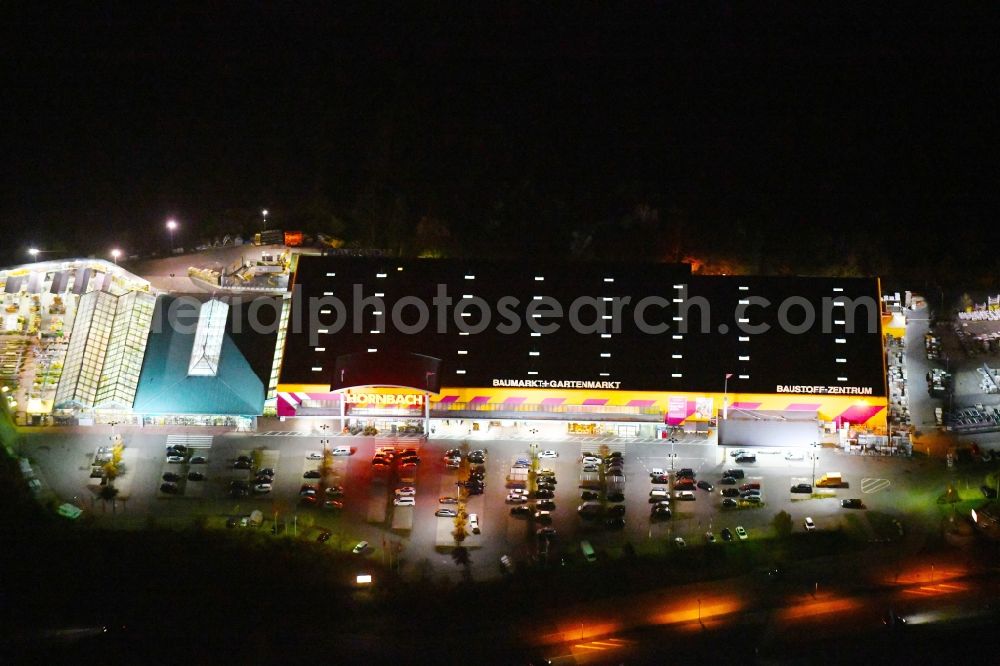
778,140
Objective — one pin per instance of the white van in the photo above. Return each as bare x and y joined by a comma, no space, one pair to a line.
474,523
342,451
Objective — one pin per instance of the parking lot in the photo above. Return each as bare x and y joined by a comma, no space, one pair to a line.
368,512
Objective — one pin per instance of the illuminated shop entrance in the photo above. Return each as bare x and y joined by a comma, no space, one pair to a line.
388,410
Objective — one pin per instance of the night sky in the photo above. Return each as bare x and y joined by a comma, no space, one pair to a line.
773,137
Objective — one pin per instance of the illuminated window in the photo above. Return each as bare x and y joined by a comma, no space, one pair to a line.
744,377
534,353
609,279
605,355
460,372
372,350
744,358
676,375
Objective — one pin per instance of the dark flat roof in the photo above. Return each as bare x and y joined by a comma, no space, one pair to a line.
632,358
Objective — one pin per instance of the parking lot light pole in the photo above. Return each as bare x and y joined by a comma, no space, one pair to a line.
814,456
672,440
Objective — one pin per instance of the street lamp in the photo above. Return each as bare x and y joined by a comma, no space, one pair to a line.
814,457
115,253
672,440
33,252
263,214
725,397
171,225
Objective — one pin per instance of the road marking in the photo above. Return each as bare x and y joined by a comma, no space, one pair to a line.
190,441
874,485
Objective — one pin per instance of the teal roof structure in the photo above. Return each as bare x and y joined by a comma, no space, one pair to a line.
166,388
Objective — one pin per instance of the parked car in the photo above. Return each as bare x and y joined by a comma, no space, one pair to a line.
705,485
314,455
262,488
543,516
751,499
747,459
308,490
447,500
548,453
750,486
170,476
404,501
445,513
685,495
168,488
198,460
406,491
810,525
709,537
517,499
591,460
548,505
685,484
802,488
334,491
312,474
730,492
546,532
360,548
175,459
179,448
520,510
662,478
308,499
853,503
679,542
474,523
478,456
657,494
269,471
736,473
726,534
685,472
196,476
988,492
544,494
588,495
729,503
616,497
727,481
741,533
616,510
323,537
660,511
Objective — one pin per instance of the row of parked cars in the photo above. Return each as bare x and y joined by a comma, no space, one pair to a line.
179,454
613,466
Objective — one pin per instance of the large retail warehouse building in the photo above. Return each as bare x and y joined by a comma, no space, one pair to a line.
630,349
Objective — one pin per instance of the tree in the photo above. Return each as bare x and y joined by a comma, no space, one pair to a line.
782,523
